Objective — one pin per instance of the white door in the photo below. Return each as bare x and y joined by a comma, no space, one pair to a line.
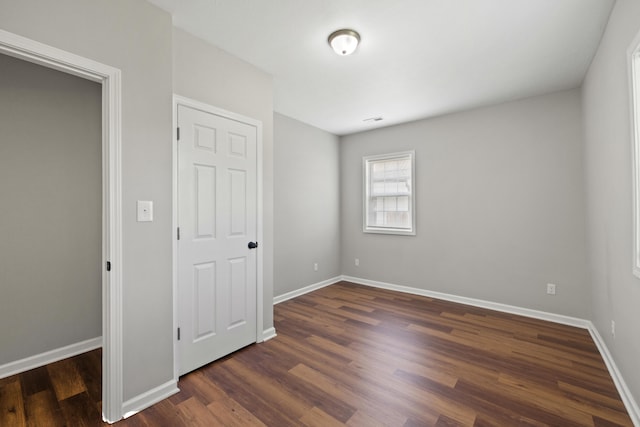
217,218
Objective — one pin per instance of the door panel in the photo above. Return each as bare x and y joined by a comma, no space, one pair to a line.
238,284
217,216
205,299
205,206
237,180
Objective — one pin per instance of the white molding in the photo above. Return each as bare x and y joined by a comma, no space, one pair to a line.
306,289
616,375
260,236
50,57
268,334
174,241
112,296
633,67
192,103
527,312
110,79
148,398
50,356
198,105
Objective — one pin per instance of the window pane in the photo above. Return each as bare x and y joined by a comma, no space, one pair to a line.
378,204
403,204
389,204
390,187
378,188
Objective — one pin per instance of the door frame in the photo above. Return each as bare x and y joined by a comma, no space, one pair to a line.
110,79
197,105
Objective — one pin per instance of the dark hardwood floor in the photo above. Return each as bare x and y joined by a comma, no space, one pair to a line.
358,356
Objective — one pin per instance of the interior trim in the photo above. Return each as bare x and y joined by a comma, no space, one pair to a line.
148,398
616,375
48,357
505,308
268,334
306,290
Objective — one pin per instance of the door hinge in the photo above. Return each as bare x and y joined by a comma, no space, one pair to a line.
178,133
108,265
178,233
178,334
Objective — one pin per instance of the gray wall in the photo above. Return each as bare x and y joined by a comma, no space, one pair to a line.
500,205
307,205
135,37
50,209
616,291
205,73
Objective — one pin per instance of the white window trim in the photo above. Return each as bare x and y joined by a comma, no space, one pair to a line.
365,199
633,58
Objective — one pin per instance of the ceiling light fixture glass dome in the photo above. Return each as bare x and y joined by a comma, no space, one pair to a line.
344,42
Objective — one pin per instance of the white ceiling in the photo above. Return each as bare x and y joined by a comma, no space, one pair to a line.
417,58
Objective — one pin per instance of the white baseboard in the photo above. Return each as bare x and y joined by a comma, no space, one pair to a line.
148,398
505,308
267,334
621,385
306,290
51,356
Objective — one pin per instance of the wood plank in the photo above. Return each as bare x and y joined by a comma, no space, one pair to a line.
89,367
194,413
368,404
78,410
318,418
362,419
65,378
196,384
42,410
230,413
161,414
12,405
35,380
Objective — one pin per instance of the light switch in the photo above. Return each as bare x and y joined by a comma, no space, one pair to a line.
145,210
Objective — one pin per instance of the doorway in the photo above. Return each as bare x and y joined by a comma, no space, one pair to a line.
50,214
111,249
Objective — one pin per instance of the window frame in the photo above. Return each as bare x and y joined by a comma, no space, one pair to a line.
366,228
633,58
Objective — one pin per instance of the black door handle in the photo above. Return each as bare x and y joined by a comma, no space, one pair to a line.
253,245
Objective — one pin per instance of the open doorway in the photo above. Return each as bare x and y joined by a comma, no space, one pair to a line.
110,252
50,215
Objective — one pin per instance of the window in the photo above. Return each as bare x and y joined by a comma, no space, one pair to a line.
634,81
389,201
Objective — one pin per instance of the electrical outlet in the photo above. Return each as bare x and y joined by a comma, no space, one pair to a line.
551,289
613,328
357,262
315,266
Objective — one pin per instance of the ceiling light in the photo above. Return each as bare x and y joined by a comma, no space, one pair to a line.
344,42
